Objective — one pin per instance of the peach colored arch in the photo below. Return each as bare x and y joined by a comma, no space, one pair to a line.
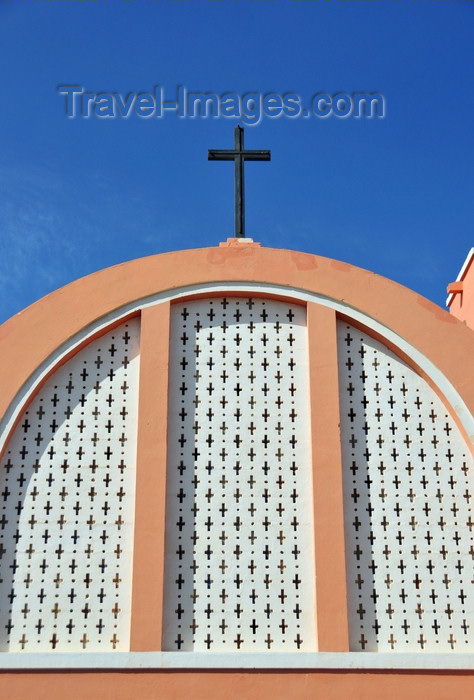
30,337
27,341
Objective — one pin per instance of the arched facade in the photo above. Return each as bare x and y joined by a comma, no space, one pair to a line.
236,458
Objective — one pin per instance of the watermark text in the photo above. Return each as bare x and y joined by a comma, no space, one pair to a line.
250,107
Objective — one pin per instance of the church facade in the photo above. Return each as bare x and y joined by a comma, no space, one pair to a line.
236,469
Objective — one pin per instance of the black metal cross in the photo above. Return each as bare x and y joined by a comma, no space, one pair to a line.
239,155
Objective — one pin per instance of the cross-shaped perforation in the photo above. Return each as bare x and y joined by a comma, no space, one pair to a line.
239,549
66,508
408,500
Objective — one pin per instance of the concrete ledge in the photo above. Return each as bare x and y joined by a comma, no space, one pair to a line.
353,661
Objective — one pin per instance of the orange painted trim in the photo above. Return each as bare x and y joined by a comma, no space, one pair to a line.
455,287
58,317
461,292
329,543
245,685
149,545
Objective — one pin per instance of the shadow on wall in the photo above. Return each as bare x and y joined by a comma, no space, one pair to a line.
64,488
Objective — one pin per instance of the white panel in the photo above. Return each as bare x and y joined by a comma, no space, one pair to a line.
408,504
68,490
239,567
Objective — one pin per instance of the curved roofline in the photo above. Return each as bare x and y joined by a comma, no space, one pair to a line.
29,338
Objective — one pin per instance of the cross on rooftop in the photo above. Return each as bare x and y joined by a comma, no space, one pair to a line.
239,155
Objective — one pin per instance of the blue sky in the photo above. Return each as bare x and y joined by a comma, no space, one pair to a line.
394,195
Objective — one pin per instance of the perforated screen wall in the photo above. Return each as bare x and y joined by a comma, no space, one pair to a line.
408,506
66,508
239,541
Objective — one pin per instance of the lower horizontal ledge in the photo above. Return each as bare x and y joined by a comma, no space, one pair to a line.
243,661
